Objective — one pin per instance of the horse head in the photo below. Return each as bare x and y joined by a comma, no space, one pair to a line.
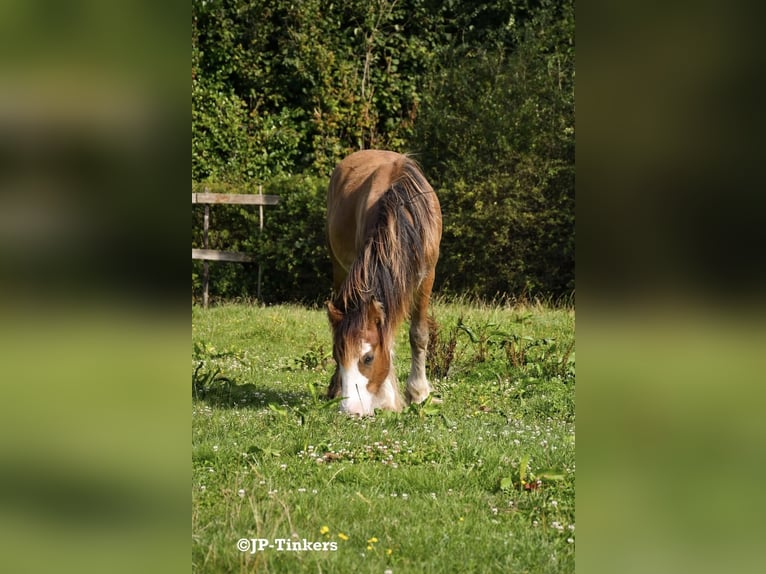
362,349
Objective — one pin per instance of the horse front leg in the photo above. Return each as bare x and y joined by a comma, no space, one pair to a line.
334,390
418,387
338,276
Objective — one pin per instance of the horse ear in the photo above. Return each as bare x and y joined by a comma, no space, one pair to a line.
334,314
376,315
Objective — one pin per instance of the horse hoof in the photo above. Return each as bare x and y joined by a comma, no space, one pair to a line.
421,398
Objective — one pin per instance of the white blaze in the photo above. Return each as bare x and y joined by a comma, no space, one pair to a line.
357,400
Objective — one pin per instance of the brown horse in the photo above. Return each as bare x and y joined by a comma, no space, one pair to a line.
384,226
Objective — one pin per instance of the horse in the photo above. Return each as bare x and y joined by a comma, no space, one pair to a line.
384,226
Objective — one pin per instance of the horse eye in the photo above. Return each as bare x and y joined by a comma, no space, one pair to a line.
367,359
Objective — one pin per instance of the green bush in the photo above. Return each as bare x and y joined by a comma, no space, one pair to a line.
496,139
501,238
293,247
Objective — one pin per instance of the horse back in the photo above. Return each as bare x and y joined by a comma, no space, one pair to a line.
357,183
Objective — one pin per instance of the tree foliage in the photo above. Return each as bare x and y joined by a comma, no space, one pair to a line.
482,93
498,142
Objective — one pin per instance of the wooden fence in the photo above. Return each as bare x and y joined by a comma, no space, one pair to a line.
206,254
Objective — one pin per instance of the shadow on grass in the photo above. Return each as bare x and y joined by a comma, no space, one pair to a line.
217,390
229,394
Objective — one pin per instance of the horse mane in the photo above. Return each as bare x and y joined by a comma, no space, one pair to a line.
392,262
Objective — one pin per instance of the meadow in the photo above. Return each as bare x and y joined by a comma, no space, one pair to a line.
483,481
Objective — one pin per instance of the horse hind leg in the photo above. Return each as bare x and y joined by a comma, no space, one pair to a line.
418,387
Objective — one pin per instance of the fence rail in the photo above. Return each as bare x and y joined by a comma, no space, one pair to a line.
237,198
215,255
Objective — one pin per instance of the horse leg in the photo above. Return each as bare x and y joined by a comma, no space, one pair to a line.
338,276
418,387
334,389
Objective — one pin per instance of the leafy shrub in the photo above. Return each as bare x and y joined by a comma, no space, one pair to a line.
496,139
502,237
293,247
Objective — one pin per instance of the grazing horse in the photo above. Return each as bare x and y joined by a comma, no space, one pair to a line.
384,226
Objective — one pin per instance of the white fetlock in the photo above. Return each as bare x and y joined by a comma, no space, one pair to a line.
418,391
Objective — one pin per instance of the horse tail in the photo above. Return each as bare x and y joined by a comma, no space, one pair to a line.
418,212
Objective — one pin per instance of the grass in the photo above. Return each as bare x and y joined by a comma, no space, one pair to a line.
483,482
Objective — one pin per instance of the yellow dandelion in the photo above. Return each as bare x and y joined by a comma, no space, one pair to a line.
342,536
369,547
461,519
389,551
324,530
372,540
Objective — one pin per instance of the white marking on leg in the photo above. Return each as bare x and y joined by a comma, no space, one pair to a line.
418,387
390,391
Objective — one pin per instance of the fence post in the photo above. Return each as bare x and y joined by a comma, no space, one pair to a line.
205,270
260,233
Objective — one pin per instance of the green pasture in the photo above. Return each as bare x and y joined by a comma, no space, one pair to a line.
482,482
